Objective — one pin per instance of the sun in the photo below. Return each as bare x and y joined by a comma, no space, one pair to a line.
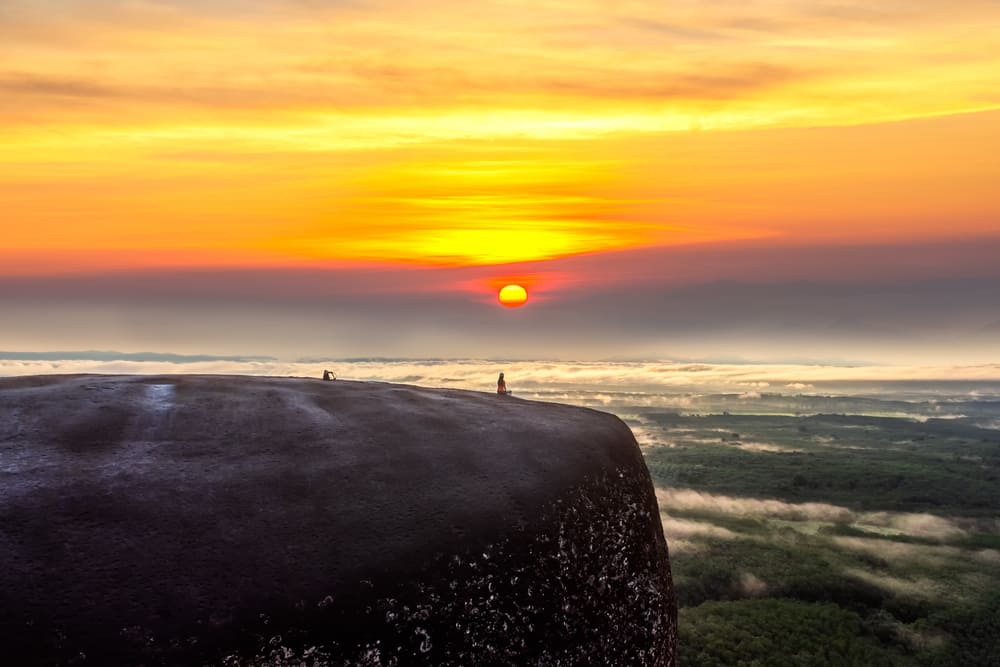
513,296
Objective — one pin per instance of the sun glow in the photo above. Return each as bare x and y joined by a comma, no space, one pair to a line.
513,296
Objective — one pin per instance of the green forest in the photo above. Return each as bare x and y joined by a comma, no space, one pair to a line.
829,539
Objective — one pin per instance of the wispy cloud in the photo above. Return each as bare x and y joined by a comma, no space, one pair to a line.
918,525
688,499
918,587
608,384
13,85
519,55
684,528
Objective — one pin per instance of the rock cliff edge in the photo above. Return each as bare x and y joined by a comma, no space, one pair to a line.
244,520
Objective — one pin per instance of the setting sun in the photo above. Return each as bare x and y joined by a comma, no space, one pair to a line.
513,296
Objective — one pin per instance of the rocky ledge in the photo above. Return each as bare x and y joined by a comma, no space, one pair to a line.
179,520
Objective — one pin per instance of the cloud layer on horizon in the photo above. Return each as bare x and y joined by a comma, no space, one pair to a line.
915,305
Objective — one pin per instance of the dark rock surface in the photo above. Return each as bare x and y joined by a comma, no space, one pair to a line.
235,520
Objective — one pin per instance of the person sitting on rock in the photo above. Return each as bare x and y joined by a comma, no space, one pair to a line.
327,375
502,386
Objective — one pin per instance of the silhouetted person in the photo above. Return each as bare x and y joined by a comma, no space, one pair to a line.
327,375
502,386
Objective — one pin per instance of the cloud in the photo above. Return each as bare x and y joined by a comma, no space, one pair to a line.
722,84
988,556
917,525
379,55
682,529
601,384
680,546
752,585
583,308
675,30
763,447
911,524
931,556
344,65
141,357
12,84
920,587
696,500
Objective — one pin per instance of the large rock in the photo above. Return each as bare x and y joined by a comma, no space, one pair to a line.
236,520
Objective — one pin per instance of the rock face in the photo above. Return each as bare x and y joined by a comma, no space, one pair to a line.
186,520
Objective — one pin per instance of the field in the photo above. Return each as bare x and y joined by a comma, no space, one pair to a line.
805,538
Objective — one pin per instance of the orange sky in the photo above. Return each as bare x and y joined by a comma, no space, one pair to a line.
221,133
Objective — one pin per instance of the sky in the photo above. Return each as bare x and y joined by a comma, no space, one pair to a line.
775,180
